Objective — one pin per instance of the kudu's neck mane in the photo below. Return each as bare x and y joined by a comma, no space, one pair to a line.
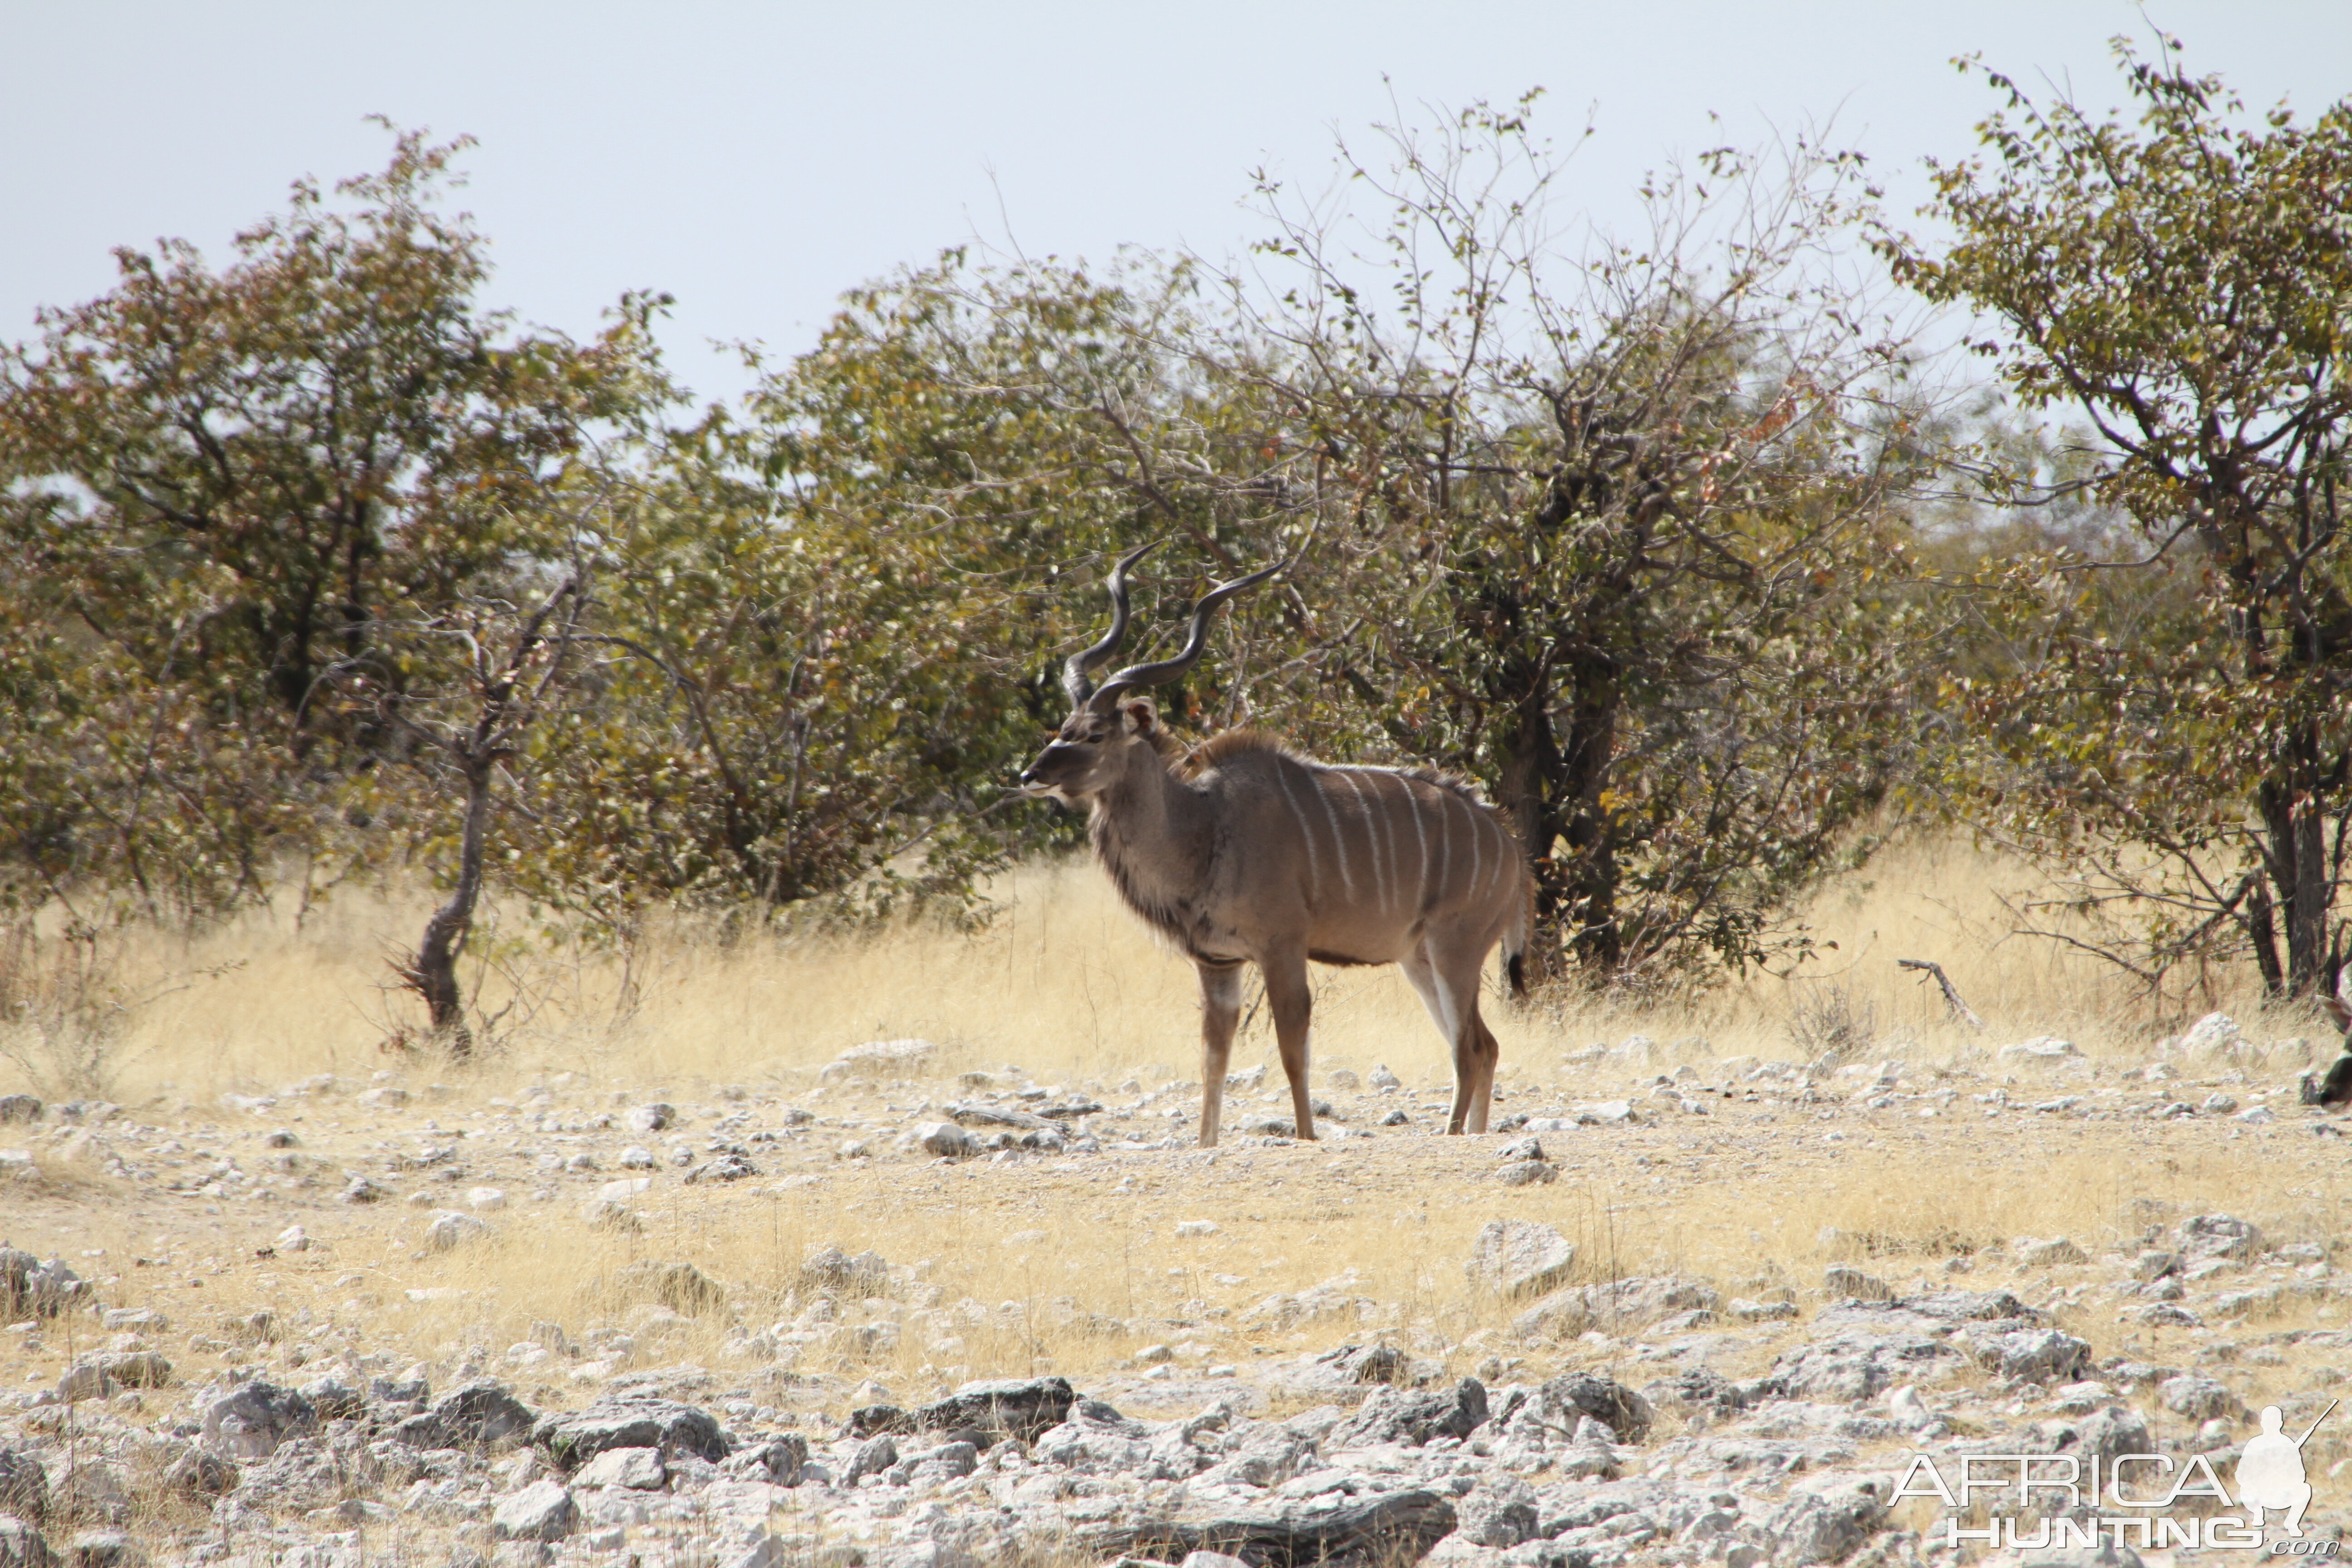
1149,830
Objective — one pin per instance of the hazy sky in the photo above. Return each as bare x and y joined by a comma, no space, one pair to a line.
756,160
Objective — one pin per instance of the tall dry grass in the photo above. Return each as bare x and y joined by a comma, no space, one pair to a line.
1064,981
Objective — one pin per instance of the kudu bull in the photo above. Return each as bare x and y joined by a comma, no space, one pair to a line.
1243,852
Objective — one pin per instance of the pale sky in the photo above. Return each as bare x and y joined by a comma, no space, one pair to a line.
757,160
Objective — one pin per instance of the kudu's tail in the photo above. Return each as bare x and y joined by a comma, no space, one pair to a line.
1515,940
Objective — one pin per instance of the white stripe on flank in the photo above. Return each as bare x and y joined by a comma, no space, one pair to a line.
1389,832
1338,844
1412,804
1477,853
1504,846
1313,867
1371,837
1445,844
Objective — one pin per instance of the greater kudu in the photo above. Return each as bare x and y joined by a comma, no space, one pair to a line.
1243,852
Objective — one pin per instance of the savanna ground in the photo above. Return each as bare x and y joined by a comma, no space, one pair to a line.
1074,1263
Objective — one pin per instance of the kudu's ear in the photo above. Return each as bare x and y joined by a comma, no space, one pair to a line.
1137,716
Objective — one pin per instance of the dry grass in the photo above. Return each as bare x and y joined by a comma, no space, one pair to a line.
1075,1266
1065,983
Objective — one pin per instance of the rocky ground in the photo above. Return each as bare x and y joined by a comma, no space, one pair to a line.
1681,1310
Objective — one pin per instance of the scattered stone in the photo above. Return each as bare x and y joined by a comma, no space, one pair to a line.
30,1287
729,1167
830,1268
680,1287
482,1415
333,1399
641,1469
1019,1408
1528,1174
2043,1051
880,1059
2032,1355
1394,1416
250,1423
542,1511
384,1098
198,1474
1827,1520
780,1460
1560,1406
2216,1034
363,1191
1398,1526
575,1436
1383,1079
1396,1118
2209,1236
946,1140
2200,1398
1186,1228
650,1117
452,1228
874,1456
1519,1257
486,1198
24,1486
23,1546
1615,1306
2049,1254
18,1108
1847,1282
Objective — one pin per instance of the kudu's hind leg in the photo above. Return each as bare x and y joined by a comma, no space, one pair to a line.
1221,1009
1447,980
1292,1003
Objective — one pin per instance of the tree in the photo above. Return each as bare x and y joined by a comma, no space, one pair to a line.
219,491
1622,536
2183,282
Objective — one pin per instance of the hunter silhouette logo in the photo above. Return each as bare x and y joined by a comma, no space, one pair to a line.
2270,1472
2143,1500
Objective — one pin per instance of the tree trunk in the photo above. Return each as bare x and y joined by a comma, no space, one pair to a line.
1586,895
434,976
2295,826
1528,788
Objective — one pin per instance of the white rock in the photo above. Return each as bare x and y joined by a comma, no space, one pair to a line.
2048,1254
293,1238
2041,1050
2214,1035
1519,1257
451,1228
880,1059
637,1157
651,1118
486,1198
1383,1079
625,1188
540,1511
945,1138
1196,1227
639,1469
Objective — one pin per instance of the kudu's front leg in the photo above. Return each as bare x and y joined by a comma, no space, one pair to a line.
1221,1009
1288,999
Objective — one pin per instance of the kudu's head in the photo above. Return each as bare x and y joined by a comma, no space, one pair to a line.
1107,722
